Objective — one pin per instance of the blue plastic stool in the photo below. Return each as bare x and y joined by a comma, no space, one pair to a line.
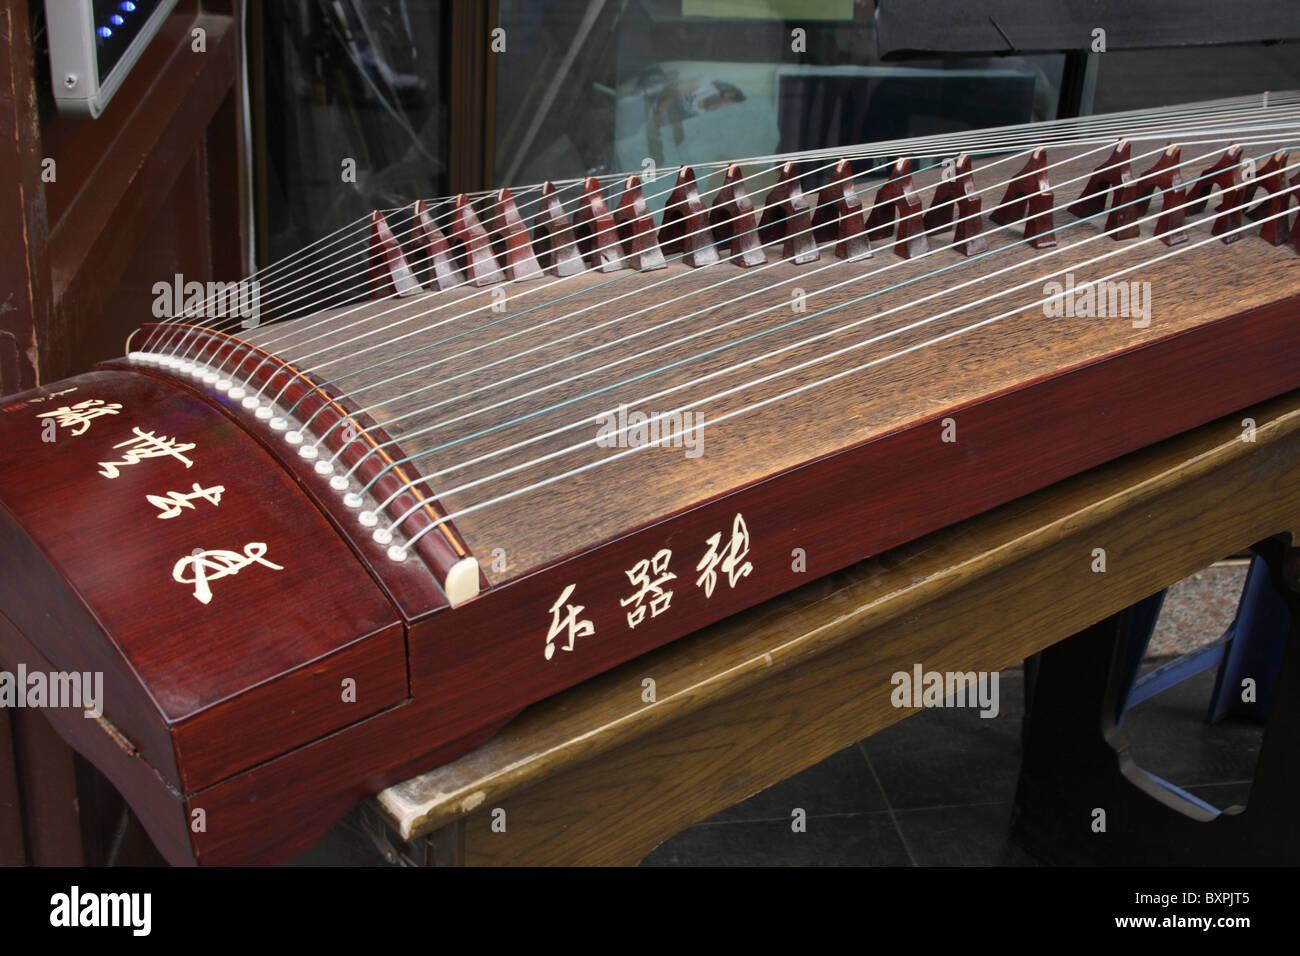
1081,797
1251,646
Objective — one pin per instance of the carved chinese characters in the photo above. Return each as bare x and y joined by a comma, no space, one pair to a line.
724,563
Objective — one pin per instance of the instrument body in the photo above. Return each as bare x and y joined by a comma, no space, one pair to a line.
268,662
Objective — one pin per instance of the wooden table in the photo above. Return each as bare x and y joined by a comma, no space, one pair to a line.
602,774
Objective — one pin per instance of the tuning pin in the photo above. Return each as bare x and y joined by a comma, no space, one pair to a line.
733,222
636,229
389,272
1029,197
787,218
957,191
839,215
897,199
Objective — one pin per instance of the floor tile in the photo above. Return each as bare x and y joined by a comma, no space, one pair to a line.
856,839
961,836
842,783
952,756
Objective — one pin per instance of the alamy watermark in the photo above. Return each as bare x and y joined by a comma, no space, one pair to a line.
922,688
634,429
1100,299
208,300
75,908
76,690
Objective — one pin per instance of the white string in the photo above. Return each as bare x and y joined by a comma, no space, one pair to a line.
399,552
875,149
412,317
267,270
801,277
870,149
705,193
1059,250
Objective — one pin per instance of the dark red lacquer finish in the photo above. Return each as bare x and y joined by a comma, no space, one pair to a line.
636,228
957,190
154,541
1226,176
1165,177
1114,178
897,199
685,229
839,215
787,218
1029,198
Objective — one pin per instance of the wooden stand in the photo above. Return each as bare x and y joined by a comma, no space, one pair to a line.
598,775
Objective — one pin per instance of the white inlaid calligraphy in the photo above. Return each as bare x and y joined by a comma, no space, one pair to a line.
731,558
146,445
172,503
570,624
205,566
649,575
77,418
53,395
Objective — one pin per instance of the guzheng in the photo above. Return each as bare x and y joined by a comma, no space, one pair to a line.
472,451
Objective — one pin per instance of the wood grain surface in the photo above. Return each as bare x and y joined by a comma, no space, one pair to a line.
490,402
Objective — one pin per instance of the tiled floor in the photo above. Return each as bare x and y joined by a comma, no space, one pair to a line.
936,789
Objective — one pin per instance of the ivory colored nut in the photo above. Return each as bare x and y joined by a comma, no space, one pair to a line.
462,581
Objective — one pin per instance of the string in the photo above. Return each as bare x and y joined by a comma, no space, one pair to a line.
946,291
869,151
280,263
875,147
453,318
457,398
415,316
399,552
801,278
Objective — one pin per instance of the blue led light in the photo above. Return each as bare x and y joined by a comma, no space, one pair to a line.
128,6
117,19
105,32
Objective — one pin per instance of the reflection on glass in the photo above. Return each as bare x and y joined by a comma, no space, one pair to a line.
600,87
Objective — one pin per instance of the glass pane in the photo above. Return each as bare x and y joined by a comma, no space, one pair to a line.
349,81
592,87
1137,79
